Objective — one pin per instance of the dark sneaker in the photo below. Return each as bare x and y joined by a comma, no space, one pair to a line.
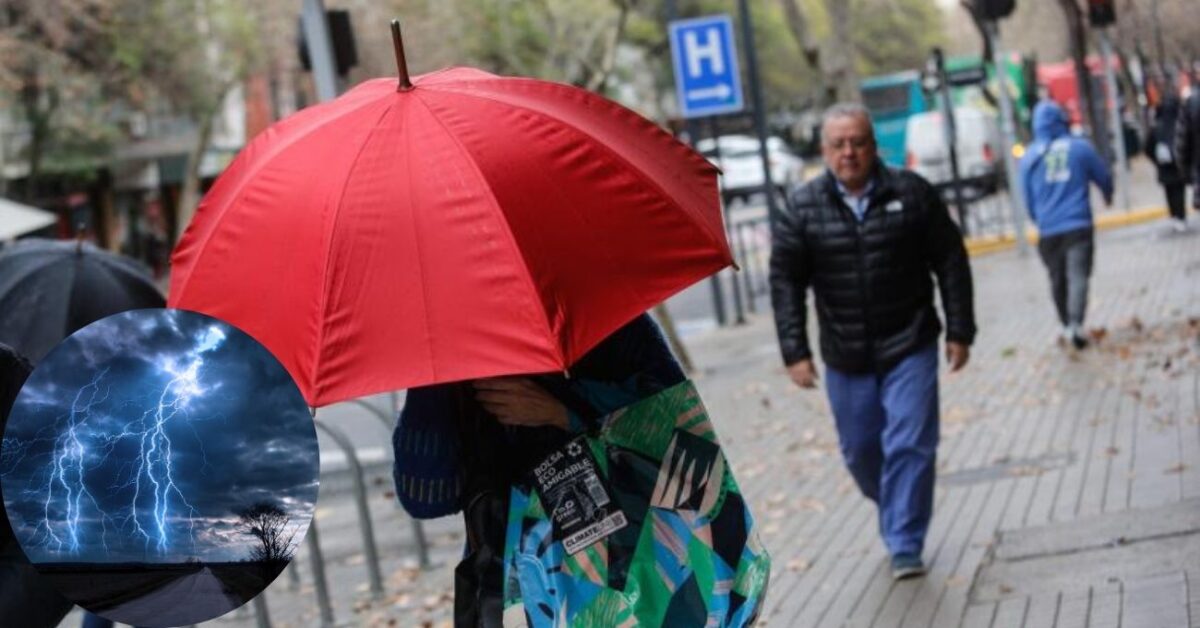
907,566
1079,341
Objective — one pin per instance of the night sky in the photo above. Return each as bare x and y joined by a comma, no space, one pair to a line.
109,403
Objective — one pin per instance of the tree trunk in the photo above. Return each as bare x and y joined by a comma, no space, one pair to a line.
798,23
841,74
38,116
1092,111
836,63
598,82
189,195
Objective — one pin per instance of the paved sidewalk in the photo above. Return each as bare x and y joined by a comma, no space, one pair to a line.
1069,484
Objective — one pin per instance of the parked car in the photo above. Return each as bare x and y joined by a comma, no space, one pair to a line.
741,164
980,164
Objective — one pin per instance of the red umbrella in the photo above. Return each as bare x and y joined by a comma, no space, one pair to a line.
466,225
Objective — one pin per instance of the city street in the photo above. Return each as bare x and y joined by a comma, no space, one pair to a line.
1069,488
388,195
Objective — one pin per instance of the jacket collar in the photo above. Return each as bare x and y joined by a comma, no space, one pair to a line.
882,180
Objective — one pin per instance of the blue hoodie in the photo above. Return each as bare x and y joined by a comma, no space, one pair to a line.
1055,172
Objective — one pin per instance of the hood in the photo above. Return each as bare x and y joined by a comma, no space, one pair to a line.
1049,121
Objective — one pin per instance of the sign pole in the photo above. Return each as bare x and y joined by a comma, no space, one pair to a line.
1008,132
951,133
707,83
760,115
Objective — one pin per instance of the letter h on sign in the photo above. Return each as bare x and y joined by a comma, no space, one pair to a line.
707,80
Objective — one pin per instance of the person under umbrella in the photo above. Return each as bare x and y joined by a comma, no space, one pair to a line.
51,288
486,435
25,596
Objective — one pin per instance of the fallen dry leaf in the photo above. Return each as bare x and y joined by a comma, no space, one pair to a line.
798,564
1097,333
1025,470
1111,451
956,414
814,505
1176,468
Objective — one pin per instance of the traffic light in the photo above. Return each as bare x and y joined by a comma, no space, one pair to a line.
1102,13
995,9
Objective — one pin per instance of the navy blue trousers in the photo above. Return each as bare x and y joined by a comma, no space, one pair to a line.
888,430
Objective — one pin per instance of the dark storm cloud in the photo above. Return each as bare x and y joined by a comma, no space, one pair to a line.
242,433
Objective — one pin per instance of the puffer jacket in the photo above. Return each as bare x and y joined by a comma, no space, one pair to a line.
872,281
1187,138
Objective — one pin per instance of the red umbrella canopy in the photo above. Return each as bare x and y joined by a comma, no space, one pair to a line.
472,226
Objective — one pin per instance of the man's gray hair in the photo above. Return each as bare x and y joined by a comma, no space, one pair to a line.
848,110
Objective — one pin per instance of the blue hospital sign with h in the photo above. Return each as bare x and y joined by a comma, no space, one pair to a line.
704,55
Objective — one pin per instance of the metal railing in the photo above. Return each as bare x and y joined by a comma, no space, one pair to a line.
749,233
366,527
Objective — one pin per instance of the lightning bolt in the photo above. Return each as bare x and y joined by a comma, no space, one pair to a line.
154,460
154,457
69,457
79,448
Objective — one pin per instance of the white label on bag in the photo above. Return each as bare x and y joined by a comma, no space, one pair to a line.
576,497
594,532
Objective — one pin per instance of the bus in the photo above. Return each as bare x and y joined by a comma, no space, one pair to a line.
892,99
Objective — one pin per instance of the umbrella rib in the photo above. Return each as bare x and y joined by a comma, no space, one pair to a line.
337,215
599,142
317,124
420,263
555,345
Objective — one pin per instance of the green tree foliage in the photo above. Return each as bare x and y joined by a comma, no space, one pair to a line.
894,35
184,57
53,60
564,40
575,41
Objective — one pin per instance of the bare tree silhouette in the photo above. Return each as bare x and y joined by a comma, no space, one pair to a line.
268,523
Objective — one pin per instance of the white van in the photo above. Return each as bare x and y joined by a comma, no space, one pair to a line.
980,163
742,168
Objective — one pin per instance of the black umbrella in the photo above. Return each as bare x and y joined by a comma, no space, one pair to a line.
51,288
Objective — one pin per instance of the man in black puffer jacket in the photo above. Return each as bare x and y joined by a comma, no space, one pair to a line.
869,240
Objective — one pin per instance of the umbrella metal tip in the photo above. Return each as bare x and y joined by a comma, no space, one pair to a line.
404,84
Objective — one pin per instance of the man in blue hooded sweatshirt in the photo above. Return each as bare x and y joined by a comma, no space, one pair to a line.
1055,173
